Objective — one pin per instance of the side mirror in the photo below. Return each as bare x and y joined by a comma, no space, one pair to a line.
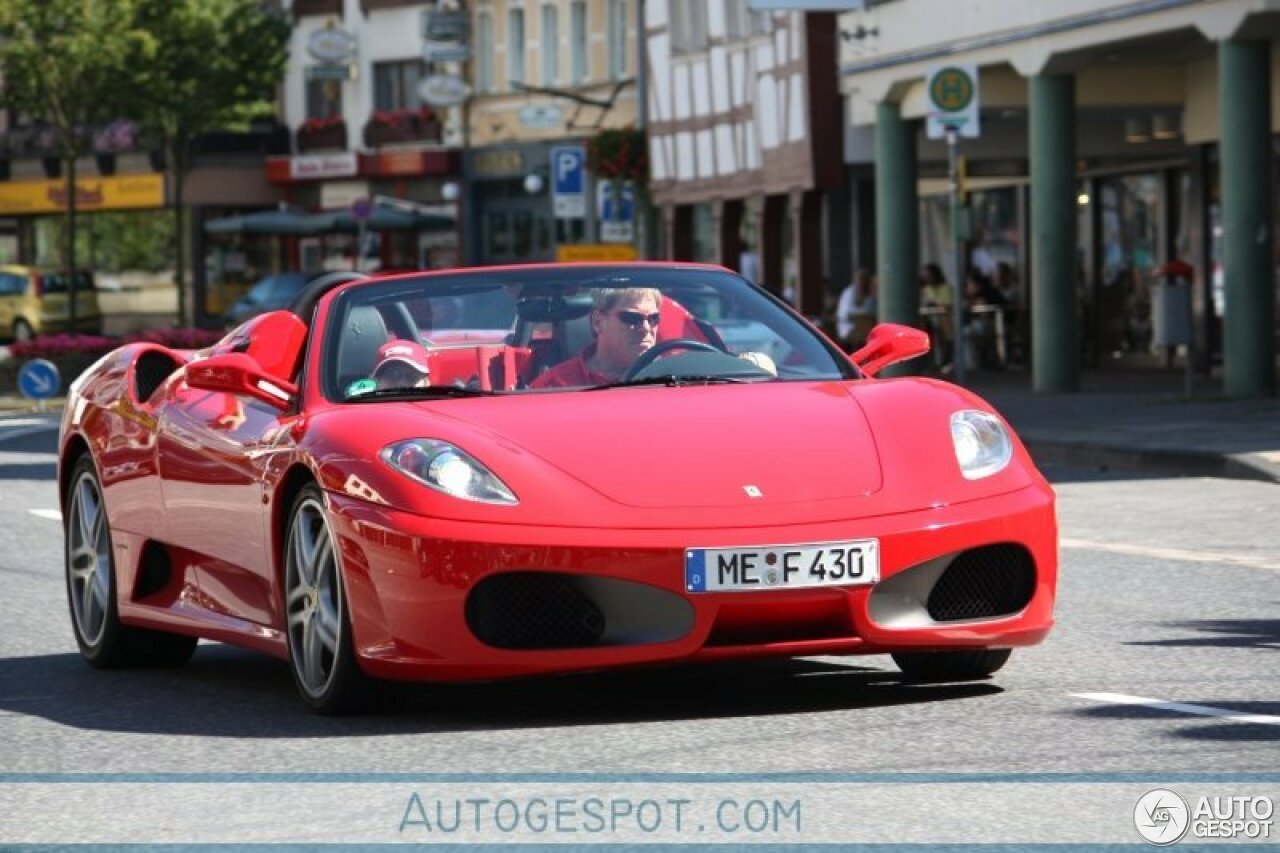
237,373
890,343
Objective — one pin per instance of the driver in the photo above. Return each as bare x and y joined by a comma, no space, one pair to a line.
624,322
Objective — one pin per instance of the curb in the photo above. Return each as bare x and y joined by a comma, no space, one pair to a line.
1170,463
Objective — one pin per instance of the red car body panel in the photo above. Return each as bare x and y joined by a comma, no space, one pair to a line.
612,485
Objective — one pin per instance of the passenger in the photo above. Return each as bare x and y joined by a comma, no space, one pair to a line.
402,364
624,323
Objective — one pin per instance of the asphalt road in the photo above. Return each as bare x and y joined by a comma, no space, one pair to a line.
1169,593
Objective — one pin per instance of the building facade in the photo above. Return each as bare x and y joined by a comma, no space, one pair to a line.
1116,137
547,76
744,138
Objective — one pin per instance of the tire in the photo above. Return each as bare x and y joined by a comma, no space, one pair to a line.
968,665
104,641
317,623
22,331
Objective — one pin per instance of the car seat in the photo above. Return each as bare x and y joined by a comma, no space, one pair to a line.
363,333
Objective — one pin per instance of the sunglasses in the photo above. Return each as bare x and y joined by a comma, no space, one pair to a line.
633,319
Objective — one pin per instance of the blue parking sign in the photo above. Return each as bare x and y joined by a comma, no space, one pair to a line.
569,181
38,379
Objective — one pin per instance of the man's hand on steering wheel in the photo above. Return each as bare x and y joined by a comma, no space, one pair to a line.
658,350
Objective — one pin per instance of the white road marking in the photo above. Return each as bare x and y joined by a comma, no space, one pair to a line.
51,514
1181,708
25,422
1236,559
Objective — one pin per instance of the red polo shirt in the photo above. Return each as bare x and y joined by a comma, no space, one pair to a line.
574,373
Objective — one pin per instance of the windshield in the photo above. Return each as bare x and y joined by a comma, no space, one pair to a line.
543,329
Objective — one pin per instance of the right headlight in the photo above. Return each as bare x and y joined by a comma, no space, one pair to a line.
981,443
447,469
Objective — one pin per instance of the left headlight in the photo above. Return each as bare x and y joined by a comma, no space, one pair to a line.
447,469
982,445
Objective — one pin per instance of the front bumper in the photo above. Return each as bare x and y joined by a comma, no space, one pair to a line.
409,580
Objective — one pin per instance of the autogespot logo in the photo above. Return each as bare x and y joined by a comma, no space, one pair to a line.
1161,816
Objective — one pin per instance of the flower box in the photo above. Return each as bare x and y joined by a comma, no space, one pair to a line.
312,138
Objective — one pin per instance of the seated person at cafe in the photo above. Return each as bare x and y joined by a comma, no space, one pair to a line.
624,324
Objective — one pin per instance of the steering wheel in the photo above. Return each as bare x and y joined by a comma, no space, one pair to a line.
656,351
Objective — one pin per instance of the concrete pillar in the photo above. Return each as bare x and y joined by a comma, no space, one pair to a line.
1244,92
730,238
680,232
1054,336
771,247
897,217
806,213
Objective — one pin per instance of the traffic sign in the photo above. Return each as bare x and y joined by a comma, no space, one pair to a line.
361,210
952,92
38,379
615,210
569,181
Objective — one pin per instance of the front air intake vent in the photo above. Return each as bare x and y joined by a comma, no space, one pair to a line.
982,583
533,610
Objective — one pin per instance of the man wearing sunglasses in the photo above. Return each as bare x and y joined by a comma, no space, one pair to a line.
624,322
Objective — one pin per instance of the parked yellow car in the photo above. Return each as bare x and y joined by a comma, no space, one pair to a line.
33,302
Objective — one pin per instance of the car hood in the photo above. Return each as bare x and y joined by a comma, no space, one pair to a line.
718,446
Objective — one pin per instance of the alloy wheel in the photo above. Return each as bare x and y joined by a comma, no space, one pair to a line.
314,599
88,560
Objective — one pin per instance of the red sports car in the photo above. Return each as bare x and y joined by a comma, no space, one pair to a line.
493,472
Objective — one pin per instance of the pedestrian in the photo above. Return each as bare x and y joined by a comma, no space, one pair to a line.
856,310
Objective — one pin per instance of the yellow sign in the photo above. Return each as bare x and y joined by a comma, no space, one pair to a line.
596,252
117,192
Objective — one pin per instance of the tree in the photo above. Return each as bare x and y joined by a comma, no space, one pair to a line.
215,67
68,64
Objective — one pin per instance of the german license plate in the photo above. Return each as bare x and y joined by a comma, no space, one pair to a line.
853,563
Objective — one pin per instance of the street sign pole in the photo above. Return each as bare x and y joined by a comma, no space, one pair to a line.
957,322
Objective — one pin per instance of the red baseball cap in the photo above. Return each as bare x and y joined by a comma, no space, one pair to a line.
408,352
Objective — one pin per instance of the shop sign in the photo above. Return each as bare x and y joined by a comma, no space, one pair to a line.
542,116
119,192
445,51
443,90
331,72
502,163
605,252
342,165
445,25
400,162
331,45
342,194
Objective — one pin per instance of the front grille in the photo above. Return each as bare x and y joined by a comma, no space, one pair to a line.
995,580
533,610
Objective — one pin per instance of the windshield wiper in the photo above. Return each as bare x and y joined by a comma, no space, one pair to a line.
431,392
673,381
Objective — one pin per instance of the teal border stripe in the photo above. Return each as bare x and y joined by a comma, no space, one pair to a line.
802,778
613,848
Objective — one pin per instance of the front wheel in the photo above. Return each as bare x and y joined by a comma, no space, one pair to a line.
104,641
22,331
321,648
967,665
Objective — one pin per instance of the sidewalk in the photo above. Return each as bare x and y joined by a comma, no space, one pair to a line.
1120,421
1141,421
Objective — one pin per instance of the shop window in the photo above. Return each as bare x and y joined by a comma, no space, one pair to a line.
324,99
617,39
484,53
578,39
395,84
515,45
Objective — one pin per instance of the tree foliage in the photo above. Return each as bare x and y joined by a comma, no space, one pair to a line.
179,68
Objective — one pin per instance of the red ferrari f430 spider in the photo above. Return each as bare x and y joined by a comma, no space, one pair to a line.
497,472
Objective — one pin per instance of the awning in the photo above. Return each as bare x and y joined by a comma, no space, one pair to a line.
387,219
272,222
298,223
